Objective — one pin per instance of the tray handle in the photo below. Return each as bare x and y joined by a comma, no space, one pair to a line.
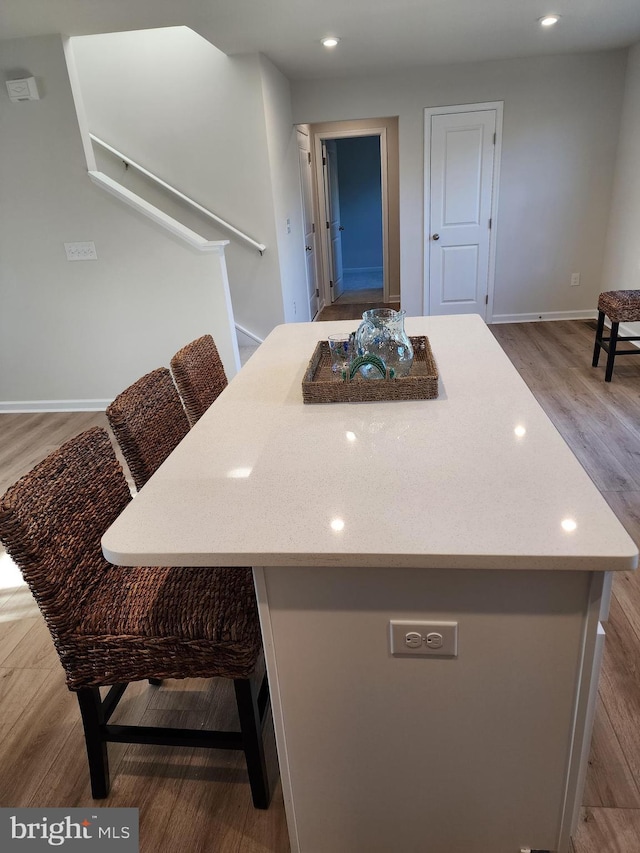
371,359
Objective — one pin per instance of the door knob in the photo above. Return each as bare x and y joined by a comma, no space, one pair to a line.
308,248
340,227
436,237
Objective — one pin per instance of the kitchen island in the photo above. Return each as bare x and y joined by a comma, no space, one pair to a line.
468,510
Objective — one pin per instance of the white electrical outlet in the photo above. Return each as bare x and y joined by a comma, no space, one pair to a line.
575,279
81,251
424,638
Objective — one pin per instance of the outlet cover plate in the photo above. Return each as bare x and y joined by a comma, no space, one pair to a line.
403,638
81,251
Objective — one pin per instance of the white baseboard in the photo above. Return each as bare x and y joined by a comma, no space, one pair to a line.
623,329
22,407
360,270
588,314
626,331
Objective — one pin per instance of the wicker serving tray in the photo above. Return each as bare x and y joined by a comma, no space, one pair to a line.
321,385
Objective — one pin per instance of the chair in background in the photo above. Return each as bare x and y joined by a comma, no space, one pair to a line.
148,421
620,306
199,374
113,625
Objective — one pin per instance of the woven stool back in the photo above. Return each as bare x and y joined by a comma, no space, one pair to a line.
51,522
112,625
149,422
199,374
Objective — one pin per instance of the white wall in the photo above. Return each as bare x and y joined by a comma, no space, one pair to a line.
192,115
83,331
622,260
284,164
561,120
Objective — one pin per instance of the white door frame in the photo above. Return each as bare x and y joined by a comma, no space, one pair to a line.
303,130
323,256
498,106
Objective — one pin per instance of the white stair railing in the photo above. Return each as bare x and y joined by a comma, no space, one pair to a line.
157,215
249,334
240,234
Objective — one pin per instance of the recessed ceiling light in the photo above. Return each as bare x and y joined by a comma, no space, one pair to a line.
331,41
549,20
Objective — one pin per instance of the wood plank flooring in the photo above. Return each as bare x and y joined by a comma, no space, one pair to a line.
351,308
197,800
601,423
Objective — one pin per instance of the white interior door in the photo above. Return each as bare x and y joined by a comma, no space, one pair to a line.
304,154
332,201
459,208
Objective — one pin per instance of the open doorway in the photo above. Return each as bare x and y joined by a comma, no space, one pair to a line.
356,195
354,210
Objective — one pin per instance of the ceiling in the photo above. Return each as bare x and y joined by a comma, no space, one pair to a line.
376,35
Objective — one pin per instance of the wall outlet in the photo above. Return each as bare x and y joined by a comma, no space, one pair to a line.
575,279
81,251
428,639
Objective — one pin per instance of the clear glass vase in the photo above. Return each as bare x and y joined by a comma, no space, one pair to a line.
382,333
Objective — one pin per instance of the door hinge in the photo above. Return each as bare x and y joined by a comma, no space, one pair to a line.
313,227
486,299
490,221
328,226
330,284
495,136
324,161
309,156
317,292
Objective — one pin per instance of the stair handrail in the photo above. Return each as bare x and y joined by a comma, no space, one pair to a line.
128,161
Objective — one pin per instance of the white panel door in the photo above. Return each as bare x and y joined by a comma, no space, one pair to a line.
461,186
304,154
332,199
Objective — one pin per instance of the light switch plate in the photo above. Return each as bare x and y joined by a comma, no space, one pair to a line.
425,639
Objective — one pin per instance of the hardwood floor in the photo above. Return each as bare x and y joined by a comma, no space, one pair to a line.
195,800
351,310
601,423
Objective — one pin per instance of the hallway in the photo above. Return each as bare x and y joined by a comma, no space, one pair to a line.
352,310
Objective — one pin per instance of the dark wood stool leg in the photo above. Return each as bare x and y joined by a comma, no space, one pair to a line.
599,330
251,727
93,720
612,352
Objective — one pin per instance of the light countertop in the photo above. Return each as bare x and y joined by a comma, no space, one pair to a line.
476,479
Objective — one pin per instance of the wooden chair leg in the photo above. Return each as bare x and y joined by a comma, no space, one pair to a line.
599,330
251,728
612,352
93,721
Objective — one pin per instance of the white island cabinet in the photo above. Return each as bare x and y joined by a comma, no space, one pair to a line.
468,509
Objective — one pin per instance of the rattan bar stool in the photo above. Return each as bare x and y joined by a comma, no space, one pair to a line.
199,374
149,422
620,306
113,625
